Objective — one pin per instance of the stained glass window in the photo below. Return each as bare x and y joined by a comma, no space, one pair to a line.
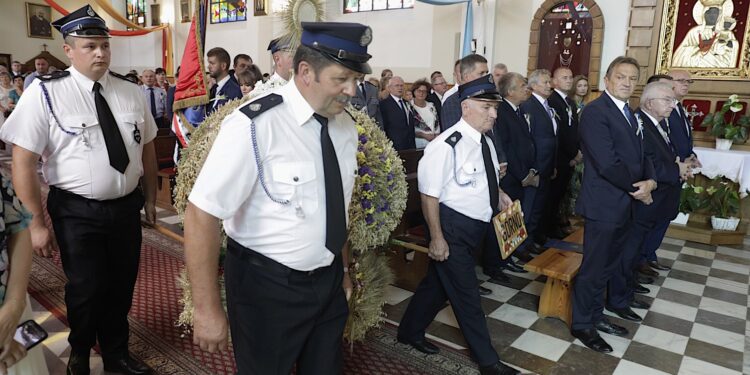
135,11
228,11
354,6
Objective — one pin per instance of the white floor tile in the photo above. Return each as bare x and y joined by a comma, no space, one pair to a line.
673,309
515,315
667,254
626,367
692,366
683,286
725,308
728,285
534,287
395,295
653,290
731,267
698,252
689,267
541,345
661,339
720,337
171,219
57,342
619,344
499,292
447,316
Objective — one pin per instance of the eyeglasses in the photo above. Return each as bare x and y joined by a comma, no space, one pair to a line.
684,81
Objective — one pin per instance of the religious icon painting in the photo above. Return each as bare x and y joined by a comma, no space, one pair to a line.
708,38
566,32
38,21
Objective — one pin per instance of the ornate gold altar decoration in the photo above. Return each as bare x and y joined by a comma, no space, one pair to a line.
510,229
725,25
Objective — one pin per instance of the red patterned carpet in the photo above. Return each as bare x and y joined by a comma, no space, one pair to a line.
156,339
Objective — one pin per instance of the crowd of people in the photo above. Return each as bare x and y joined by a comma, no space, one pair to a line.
493,138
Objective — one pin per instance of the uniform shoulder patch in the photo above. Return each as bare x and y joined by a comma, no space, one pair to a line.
122,77
54,75
453,139
260,105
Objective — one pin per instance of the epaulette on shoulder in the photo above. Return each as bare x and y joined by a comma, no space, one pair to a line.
453,139
54,75
122,77
260,105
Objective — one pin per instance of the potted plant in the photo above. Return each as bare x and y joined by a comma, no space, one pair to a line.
728,128
723,202
691,199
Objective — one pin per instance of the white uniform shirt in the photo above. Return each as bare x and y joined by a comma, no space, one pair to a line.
160,98
288,139
79,163
438,171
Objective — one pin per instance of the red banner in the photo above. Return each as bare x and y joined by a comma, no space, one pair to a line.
191,87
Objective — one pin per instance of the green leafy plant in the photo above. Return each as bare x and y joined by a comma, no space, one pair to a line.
692,198
736,129
722,198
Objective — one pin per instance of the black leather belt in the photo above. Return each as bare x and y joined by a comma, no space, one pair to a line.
255,258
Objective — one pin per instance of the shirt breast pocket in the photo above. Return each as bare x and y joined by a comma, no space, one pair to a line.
84,129
469,173
131,127
296,182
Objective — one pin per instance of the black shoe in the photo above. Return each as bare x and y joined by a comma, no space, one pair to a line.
498,368
646,270
644,279
499,278
512,267
484,291
127,366
658,266
523,256
638,304
640,289
78,365
592,340
536,249
606,326
626,313
423,345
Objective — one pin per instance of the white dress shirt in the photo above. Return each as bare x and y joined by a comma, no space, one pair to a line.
448,93
288,140
545,105
79,162
160,98
621,105
567,106
438,171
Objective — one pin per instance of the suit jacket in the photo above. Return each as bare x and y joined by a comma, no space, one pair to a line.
450,113
666,173
567,129
230,91
543,132
681,138
170,102
613,161
518,144
368,99
398,127
433,98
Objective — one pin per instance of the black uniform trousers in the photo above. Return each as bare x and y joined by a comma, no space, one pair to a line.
603,246
100,247
279,316
620,292
453,280
558,187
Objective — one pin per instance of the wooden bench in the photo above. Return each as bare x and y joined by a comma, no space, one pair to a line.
408,245
164,145
560,267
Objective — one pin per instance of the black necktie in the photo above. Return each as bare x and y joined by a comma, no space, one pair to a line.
403,108
118,156
335,213
489,168
362,87
153,102
630,116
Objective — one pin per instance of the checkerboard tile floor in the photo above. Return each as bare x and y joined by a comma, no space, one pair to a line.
699,322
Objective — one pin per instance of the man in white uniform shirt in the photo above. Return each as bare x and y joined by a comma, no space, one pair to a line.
280,175
459,186
93,132
283,58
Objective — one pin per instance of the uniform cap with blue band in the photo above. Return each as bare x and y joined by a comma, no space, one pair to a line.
279,44
344,42
482,88
82,23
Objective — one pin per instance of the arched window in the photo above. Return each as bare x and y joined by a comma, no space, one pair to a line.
222,11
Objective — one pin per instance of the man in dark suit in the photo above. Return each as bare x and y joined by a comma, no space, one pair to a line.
398,117
568,155
471,67
544,126
680,126
225,89
366,100
617,174
657,101
439,87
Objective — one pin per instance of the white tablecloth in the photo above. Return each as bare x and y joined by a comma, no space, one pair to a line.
734,165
